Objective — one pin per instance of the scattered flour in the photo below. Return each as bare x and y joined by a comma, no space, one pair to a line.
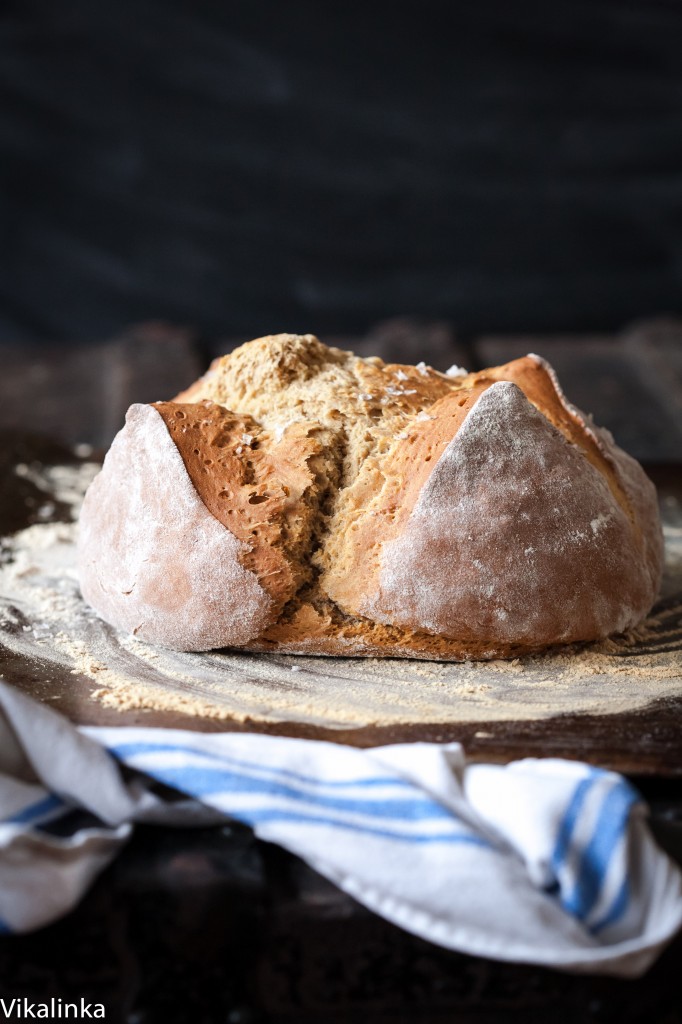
42,616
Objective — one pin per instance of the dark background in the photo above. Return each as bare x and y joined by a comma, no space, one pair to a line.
248,167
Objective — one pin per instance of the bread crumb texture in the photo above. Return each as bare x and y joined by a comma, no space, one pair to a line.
299,498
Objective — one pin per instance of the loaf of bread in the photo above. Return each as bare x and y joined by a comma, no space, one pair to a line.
300,499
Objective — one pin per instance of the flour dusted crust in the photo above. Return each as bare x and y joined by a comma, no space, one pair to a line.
298,498
515,538
153,561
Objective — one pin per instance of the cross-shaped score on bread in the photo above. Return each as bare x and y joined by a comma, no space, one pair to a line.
302,499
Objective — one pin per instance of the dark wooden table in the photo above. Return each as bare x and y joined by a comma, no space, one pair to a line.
215,926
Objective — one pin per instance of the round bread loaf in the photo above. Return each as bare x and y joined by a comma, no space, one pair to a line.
299,498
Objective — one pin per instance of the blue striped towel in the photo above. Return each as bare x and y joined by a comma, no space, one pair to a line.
540,861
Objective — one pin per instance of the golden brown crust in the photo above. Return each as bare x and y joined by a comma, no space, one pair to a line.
375,508
262,491
514,538
390,509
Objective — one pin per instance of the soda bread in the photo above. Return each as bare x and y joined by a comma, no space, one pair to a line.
298,498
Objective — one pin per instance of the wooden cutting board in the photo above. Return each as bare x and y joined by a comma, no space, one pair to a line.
617,704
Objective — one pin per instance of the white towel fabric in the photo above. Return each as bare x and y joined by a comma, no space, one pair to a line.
542,861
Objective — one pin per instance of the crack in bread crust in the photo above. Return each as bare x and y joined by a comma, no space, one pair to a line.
268,492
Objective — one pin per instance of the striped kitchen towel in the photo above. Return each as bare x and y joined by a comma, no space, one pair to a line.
541,861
